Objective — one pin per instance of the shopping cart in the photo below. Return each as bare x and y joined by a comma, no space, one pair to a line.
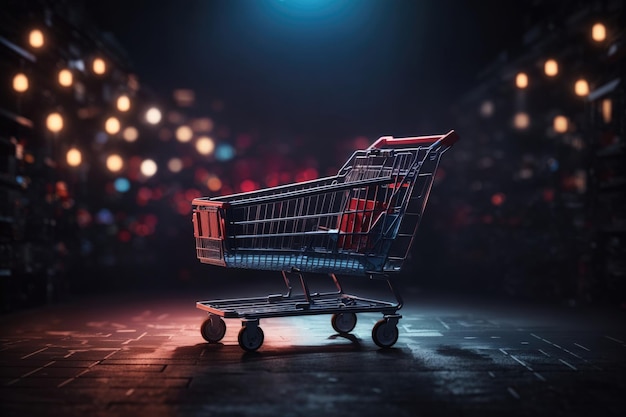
360,222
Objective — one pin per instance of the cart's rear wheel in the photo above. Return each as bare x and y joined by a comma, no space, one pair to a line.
250,338
384,333
213,329
343,322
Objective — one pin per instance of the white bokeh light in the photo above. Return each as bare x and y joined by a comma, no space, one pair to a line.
148,168
153,115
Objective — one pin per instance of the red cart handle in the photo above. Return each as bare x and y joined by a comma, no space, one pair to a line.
448,139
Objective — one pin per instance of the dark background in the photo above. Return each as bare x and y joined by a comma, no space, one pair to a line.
293,87
325,69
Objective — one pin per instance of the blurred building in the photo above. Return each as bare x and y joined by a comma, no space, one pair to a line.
60,79
97,170
540,203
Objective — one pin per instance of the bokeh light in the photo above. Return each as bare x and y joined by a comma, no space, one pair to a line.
114,163
581,88
73,157
498,199
121,185
148,168
123,103
104,216
36,38
214,183
175,165
124,236
98,66
607,110
20,82
184,133
144,194
184,97
130,134
560,124
66,78
54,122
153,115
112,125
551,68
486,108
248,185
521,120
598,32
224,152
204,125
205,145
521,80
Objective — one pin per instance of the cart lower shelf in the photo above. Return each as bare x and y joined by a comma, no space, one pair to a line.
342,306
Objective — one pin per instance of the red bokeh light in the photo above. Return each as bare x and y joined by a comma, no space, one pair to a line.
248,185
498,199
192,193
548,195
124,236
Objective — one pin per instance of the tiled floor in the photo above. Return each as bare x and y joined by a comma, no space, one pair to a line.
143,355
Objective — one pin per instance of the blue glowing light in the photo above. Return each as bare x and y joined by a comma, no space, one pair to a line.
224,152
101,138
553,164
311,8
104,216
121,185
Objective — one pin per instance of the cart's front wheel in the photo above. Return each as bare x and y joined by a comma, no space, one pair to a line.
343,322
250,338
213,329
385,334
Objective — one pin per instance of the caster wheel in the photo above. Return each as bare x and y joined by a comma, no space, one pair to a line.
343,322
213,329
250,338
385,334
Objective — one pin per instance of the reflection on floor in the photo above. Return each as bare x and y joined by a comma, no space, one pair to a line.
143,355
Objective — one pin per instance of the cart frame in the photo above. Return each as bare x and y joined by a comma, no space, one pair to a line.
361,222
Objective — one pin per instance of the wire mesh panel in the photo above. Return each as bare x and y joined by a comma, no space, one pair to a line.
360,221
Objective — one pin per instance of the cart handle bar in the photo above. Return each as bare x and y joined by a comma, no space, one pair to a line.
448,139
